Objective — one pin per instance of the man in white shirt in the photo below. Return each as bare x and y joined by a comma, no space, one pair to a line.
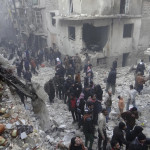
102,129
131,99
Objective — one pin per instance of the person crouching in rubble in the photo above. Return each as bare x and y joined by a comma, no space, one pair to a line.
77,144
139,81
50,90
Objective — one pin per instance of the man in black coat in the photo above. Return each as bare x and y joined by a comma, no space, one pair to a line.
140,143
111,81
50,90
118,134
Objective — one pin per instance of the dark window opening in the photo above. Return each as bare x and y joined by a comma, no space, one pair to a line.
125,59
95,38
128,30
52,19
101,61
122,6
71,33
71,6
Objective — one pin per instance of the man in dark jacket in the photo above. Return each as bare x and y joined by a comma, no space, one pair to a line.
111,81
88,126
140,67
78,89
130,117
114,65
118,134
70,71
140,143
67,85
50,90
27,75
87,80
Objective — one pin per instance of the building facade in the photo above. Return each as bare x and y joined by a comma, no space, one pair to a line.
104,29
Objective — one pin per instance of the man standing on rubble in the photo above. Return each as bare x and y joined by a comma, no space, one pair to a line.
139,81
111,81
140,67
102,129
131,99
50,90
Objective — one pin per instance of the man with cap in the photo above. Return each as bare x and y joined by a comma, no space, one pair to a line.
118,134
140,143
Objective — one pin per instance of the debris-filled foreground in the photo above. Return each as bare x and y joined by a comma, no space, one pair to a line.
22,129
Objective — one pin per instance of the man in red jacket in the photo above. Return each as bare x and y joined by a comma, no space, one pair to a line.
73,107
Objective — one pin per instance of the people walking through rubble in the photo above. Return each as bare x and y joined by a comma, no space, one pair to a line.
70,71
99,92
67,84
78,85
140,80
86,67
59,85
80,108
66,62
27,75
73,107
27,64
132,134
131,99
102,130
19,66
88,126
140,67
33,66
87,80
111,81
78,63
140,143
50,90
121,104
119,134
97,108
114,64
77,144
130,117
108,104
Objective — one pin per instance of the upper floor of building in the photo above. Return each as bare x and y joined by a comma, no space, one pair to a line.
100,7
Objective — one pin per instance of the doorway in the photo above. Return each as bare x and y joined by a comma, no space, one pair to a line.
125,59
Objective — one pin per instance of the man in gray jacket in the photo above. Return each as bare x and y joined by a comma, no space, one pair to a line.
102,129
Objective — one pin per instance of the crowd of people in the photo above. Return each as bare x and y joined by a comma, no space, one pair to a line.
84,99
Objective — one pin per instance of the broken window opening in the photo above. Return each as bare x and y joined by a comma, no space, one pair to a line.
101,61
95,38
122,6
71,33
128,30
52,19
71,6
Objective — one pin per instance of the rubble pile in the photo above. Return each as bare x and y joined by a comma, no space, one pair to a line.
19,128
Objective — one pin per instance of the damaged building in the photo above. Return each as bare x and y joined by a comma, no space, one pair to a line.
103,28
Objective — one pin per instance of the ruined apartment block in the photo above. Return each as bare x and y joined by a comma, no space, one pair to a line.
106,29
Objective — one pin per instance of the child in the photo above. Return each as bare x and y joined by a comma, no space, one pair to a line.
121,104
